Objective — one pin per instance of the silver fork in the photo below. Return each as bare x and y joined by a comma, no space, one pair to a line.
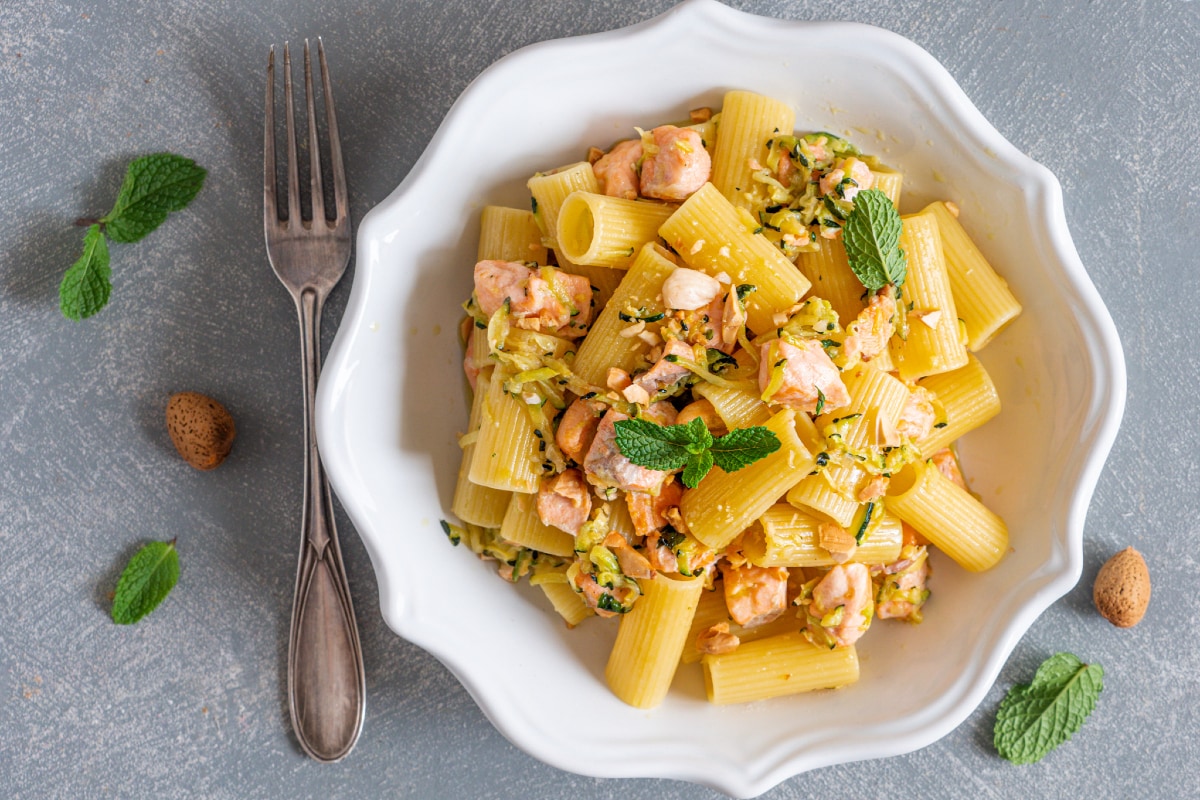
326,686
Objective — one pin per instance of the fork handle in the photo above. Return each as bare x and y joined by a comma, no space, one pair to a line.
326,683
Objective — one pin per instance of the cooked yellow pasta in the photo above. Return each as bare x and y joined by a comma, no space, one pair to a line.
948,516
775,667
784,536
638,296
506,453
983,300
510,234
474,502
968,398
650,640
724,404
711,236
725,503
601,231
748,122
933,343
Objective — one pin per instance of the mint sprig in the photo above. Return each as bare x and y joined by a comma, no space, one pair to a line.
872,239
692,447
154,186
85,287
1036,718
147,579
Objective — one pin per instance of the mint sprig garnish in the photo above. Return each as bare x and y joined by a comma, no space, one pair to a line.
154,186
1036,718
692,447
85,287
872,239
147,579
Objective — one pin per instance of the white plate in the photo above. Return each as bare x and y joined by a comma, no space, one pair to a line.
390,402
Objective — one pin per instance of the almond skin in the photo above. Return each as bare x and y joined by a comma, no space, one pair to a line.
201,429
1122,589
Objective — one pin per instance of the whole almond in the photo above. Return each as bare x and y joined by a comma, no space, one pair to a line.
1122,588
201,429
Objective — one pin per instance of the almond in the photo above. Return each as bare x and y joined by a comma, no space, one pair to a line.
1122,588
201,429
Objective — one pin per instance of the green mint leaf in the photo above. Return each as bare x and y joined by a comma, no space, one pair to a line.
155,185
654,446
697,467
872,239
741,447
85,286
1038,717
147,579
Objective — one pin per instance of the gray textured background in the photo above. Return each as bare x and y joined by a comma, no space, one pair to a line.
190,702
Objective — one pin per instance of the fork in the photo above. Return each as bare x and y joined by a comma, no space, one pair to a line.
326,685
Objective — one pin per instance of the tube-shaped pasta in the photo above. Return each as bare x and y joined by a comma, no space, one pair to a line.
506,454
832,279
948,516
933,344
712,236
889,182
650,640
640,292
984,302
602,231
787,537
739,405
510,234
968,397
569,605
522,525
876,401
550,189
725,503
777,666
748,122
712,610
473,503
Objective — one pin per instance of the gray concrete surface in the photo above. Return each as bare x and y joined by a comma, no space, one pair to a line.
189,703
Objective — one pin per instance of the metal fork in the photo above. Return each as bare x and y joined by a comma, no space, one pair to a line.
326,686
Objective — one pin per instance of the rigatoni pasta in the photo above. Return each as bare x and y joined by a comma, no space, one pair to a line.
693,415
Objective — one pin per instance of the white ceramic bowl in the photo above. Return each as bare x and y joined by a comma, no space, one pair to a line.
390,402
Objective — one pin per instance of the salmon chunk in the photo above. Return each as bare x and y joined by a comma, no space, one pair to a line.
808,374
606,467
679,166
873,327
665,374
544,299
616,171
577,428
754,595
563,501
648,511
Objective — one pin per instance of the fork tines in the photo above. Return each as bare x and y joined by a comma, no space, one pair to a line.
316,185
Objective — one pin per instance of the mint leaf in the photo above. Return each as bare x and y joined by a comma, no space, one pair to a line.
147,579
85,287
872,239
155,185
692,446
741,447
697,467
648,444
1036,718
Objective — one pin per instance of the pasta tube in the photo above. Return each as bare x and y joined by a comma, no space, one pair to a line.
650,640
777,666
